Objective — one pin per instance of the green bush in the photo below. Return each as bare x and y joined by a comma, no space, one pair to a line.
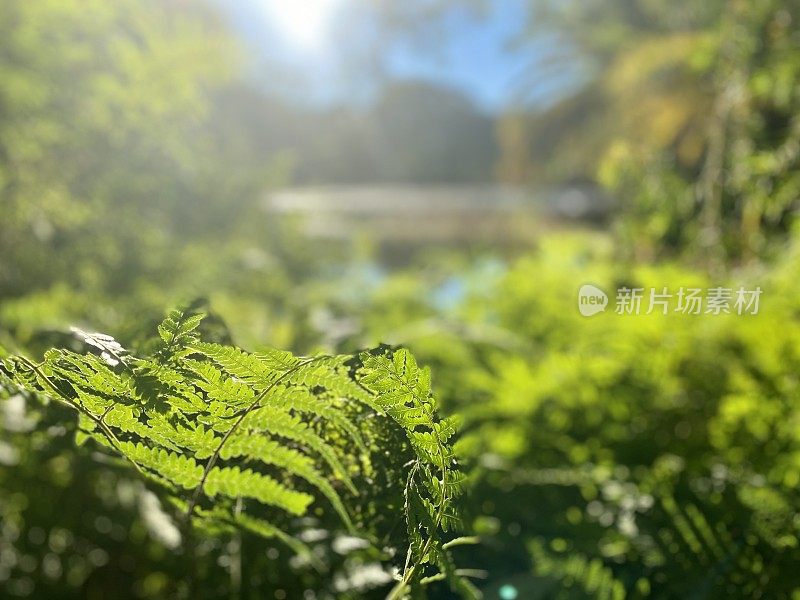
620,455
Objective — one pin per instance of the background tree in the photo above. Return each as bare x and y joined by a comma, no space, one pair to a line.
688,114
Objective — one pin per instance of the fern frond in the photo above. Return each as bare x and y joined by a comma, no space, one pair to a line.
181,470
235,482
281,423
403,390
595,579
302,400
271,433
176,331
219,387
269,451
237,363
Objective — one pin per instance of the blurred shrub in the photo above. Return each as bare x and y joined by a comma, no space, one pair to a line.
621,455
687,113
119,196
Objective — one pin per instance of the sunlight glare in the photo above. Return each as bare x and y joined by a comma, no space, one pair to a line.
303,22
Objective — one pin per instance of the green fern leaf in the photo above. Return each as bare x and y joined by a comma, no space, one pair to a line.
251,441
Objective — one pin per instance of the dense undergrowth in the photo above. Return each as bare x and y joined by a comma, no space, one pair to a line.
611,456
623,455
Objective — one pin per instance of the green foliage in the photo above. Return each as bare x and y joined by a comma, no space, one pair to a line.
651,456
99,104
687,113
119,195
403,391
645,456
255,441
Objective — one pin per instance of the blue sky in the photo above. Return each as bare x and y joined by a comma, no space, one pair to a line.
476,55
332,52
